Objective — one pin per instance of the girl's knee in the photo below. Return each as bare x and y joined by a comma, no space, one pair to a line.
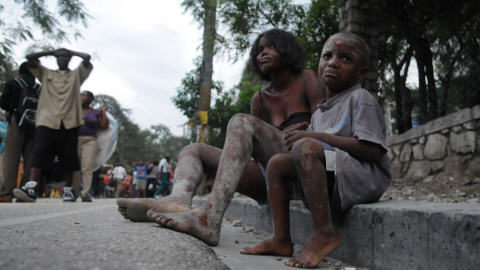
241,121
191,149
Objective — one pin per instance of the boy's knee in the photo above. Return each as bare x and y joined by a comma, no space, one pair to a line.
277,162
307,148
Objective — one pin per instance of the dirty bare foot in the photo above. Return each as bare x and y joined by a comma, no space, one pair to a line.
194,223
136,209
318,246
271,246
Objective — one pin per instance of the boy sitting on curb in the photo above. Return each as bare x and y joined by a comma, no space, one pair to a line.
339,162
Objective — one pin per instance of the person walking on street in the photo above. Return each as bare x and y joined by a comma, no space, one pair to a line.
19,100
119,173
164,188
87,143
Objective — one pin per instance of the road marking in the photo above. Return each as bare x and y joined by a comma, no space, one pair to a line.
30,219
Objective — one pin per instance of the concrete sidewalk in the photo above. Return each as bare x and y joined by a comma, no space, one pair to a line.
389,235
51,234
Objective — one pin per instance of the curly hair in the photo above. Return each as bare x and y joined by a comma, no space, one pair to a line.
286,44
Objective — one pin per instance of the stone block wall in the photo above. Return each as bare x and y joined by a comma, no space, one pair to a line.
358,16
449,145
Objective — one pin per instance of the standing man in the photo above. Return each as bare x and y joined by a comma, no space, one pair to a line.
58,117
19,100
119,173
87,143
164,188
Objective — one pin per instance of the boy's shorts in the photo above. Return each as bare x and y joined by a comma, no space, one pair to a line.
61,142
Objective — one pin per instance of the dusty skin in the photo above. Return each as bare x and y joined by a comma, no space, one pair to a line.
136,209
196,162
193,223
244,133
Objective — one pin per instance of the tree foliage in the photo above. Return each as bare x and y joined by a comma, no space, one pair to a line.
135,144
437,41
440,39
46,22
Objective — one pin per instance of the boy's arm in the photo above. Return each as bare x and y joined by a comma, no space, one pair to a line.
32,58
357,148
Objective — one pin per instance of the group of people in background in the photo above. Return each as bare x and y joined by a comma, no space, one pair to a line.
52,130
143,180
50,123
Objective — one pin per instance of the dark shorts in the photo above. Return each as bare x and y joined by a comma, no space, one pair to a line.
56,142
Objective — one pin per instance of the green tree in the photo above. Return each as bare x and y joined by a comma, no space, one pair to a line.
135,144
187,99
439,37
45,22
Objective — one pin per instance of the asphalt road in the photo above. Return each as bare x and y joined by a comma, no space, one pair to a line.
51,234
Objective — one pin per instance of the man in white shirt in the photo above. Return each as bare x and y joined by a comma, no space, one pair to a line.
164,188
119,173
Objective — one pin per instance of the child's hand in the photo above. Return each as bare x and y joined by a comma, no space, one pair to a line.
295,135
299,126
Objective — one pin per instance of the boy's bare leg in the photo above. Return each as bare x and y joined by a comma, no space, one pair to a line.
195,161
308,154
246,136
280,170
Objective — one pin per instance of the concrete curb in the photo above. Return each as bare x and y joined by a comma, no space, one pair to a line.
388,235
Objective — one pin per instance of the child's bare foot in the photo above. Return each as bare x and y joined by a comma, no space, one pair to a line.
271,246
136,209
318,246
194,223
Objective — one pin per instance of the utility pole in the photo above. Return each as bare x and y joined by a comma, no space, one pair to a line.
209,32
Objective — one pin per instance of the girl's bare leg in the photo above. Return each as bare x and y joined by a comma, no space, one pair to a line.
309,155
195,162
246,136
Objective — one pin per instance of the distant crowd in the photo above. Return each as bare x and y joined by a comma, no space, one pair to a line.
144,180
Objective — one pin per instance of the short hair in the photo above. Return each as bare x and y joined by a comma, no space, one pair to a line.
286,44
62,50
23,69
89,94
358,42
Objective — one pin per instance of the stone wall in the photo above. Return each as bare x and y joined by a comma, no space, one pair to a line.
449,145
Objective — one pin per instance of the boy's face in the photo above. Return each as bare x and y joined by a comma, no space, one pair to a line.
268,58
339,66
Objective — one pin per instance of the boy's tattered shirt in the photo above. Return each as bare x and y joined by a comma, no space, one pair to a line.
355,113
